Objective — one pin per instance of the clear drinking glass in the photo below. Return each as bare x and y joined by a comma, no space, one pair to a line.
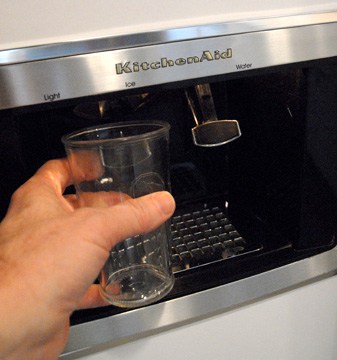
109,164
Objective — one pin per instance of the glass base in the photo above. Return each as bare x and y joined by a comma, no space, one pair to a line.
137,286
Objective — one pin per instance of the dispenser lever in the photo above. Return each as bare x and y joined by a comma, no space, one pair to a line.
210,131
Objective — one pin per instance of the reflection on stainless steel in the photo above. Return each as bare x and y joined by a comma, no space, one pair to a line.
202,304
13,56
159,58
102,107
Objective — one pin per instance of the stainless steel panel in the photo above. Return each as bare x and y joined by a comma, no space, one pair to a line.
42,52
119,328
107,71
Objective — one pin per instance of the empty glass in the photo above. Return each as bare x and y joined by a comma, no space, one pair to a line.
111,163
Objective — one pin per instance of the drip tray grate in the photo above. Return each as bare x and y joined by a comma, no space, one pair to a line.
203,236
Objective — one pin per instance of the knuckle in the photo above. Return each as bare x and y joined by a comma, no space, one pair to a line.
19,194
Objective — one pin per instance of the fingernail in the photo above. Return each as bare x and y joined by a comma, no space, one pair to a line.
166,202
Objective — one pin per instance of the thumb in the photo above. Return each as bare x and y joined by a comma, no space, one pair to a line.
129,218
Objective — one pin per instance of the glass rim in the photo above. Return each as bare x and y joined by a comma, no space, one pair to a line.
69,140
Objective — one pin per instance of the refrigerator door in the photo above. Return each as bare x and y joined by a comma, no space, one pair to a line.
298,324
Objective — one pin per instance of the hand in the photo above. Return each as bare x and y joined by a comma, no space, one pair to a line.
51,252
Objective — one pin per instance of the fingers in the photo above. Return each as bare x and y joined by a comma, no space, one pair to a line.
129,218
72,201
44,189
86,165
56,174
92,299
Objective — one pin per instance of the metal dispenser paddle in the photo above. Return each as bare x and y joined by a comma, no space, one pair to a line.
211,131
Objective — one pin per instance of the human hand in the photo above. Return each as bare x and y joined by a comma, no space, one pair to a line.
51,252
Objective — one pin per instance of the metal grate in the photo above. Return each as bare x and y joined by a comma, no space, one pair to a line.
203,236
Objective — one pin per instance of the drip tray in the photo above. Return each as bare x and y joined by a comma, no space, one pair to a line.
203,234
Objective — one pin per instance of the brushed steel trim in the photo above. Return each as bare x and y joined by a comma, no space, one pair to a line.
71,77
71,48
158,317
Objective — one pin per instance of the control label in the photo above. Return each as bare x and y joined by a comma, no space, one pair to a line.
52,97
244,66
130,84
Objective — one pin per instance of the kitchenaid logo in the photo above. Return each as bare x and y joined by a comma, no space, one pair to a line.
128,67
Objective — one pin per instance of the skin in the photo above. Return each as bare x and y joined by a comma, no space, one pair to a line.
51,251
